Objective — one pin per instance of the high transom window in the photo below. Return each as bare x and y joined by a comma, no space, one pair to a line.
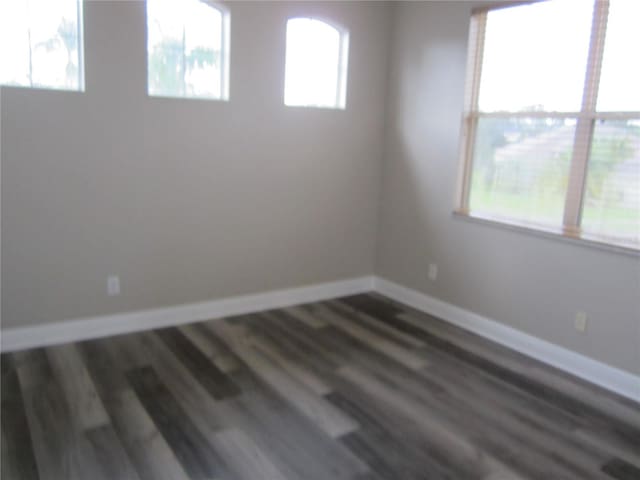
187,49
316,64
41,44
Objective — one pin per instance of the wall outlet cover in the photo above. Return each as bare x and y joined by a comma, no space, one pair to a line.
580,322
433,272
113,285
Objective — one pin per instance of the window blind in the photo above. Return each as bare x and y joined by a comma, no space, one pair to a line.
551,136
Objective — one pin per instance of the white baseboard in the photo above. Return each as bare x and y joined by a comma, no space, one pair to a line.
79,329
606,376
106,325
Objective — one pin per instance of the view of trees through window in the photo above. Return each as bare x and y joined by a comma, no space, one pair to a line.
40,43
612,194
531,129
521,168
185,49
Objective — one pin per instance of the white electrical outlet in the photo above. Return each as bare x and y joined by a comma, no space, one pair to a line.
113,285
580,322
433,272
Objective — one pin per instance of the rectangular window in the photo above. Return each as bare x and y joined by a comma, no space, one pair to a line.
551,136
187,49
41,44
315,64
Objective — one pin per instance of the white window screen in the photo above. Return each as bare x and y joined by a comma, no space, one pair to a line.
41,44
552,123
316,64
187,49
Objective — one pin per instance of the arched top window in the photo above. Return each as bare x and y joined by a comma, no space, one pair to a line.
187,49
316,64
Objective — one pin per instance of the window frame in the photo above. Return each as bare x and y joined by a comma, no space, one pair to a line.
586,118
225,54
343,63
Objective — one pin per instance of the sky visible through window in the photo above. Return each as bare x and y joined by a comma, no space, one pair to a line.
40,43
529,67
314,70
184,46
535,60
620,79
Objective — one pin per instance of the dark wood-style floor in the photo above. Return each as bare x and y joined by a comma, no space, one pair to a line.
357,389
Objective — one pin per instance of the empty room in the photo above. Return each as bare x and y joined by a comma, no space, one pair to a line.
346,240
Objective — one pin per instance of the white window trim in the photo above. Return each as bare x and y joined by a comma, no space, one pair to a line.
81,79
586,118
225,48
343,64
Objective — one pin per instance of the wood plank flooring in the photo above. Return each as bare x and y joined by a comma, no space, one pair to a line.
357,388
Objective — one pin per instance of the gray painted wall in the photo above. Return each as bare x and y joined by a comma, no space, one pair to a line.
188,200
531,283
194,200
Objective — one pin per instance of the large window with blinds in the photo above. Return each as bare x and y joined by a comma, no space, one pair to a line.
551,134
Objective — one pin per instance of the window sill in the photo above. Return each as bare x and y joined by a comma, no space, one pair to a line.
315,107
554,234
44,88
189,98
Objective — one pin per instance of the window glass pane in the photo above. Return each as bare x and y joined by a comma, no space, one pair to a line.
521,169
313,64
611,205
184,47
14,43
535,57
620,77
40,43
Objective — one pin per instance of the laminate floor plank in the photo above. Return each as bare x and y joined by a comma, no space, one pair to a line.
621,470
245,457
355,388
191,448
291,442
150,454
406,378
211,377
533,452
81,395
61,451
305,316
598,397
282,433
330,420
545,430
302,349
376,341
297,451
595,396
18,460
111,454
337,310
620,431
221,357
304,376
386,450
398,438
441,430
